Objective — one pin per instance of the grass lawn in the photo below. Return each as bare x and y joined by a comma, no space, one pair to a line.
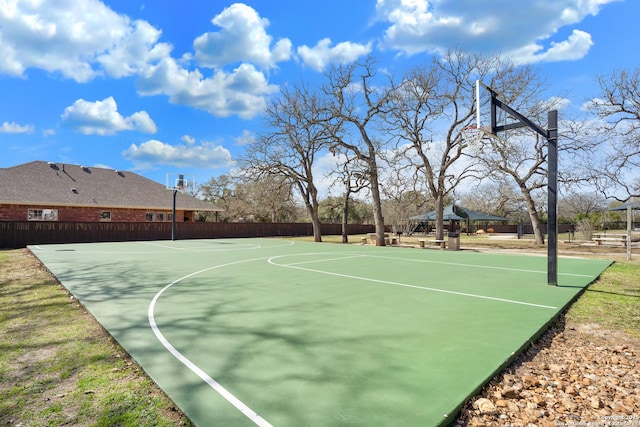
58,366
613,302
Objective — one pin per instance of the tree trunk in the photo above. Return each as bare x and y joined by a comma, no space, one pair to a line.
533,215
345,218
377,204
315,222
439,217
311,203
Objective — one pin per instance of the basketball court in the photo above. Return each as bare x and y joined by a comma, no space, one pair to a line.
242,332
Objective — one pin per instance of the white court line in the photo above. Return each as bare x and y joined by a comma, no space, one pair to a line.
489,267
405,285
322,260
163,246
239,246
226,394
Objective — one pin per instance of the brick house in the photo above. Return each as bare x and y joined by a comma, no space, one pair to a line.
46,191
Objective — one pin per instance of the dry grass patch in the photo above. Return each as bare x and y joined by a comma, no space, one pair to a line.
58,365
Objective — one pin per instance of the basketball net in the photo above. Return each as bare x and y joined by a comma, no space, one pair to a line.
472,136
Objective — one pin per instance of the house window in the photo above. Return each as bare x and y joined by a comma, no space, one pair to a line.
170,217
150,216
105,215
42,215
160,216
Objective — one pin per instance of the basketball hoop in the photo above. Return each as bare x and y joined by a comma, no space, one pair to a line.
471,136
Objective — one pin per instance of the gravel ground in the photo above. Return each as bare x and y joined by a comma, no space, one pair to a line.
575,375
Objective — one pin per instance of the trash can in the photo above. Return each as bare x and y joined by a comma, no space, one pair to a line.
454,241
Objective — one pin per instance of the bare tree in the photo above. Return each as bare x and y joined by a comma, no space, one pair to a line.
573,205
618,110
353,177
220,192
266,200
525,164
356,103
403,199
432,106
296,134
521,154
497,197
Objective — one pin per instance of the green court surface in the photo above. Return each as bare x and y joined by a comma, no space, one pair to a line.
272,332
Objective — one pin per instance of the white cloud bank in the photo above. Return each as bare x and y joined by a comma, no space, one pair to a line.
85,39
243,38
513,29
15,128
103,118
226,74
80,39
206,155
322,54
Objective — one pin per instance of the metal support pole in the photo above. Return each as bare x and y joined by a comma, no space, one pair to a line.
173,217
629,227
552,223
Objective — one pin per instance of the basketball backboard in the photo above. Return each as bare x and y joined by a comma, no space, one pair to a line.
486,113
495,117
180,182
492,115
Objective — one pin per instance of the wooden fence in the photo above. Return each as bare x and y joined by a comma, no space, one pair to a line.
19,234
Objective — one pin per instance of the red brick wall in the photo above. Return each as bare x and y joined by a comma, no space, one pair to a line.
82,214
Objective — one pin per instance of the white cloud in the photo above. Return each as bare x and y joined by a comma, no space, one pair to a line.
575,47
240,92
136,48
243,38
188,139
48,132
246,138
84,39
15,128
103,118
206,155
491,26
322,54
79,39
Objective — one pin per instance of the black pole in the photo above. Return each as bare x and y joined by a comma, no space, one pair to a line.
173,217
552,202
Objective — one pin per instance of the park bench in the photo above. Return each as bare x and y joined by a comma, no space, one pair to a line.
387,239
617,238
441,243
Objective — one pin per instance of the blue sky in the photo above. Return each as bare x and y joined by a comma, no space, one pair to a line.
163,86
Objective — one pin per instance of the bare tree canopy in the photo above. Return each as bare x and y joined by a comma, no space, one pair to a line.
357,101
266,200
295,134
618,110
433,105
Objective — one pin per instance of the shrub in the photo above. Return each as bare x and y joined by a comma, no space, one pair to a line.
585,227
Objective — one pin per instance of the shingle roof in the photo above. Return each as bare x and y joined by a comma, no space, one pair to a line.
43,183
